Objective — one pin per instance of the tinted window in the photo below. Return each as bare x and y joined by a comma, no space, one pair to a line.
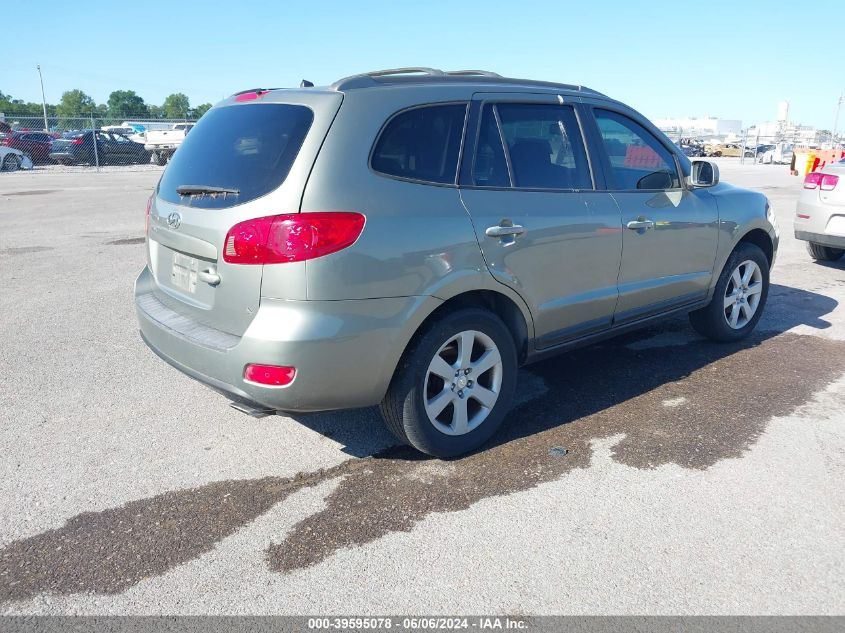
246,147
490,168
545,146
421,144
637,159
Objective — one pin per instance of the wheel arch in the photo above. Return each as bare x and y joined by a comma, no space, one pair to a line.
516,318
760,239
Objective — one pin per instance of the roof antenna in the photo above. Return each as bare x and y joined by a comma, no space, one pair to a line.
305,84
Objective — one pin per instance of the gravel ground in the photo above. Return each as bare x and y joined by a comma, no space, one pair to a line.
697,479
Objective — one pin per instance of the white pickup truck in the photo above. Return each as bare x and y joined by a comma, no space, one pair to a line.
163,143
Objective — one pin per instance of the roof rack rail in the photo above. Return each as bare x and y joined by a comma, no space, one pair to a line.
369,79
403,75
473,73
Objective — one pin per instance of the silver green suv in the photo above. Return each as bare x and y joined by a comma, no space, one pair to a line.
409,238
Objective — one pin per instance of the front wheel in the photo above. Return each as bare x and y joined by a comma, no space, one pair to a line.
739,297
454,385
824,253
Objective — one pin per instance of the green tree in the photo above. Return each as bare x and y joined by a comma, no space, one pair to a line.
176,106
156,112
75,103
126,104
201,109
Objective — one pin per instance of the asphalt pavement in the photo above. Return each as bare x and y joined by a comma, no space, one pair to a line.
656,473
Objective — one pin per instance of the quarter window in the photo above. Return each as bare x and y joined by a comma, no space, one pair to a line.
545,146
637,159
422,144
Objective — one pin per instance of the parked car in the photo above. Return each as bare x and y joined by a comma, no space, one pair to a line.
13,159
727,149
692,150
777,154
820,213
162,144
36,145
75,148
408,238
131,133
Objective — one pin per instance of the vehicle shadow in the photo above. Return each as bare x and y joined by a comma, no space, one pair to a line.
661,396
839,264
361,432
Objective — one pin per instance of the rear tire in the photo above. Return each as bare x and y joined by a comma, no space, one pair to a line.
159,159
11,163
739,297
824,253
447,414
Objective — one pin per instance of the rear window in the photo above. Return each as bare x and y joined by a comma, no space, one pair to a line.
422,144
249,148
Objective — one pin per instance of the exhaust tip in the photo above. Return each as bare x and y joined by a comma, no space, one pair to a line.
254,411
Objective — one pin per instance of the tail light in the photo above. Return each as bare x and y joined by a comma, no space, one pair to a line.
294,237
147,216
6,140
825,182
269,375
77,141
829,182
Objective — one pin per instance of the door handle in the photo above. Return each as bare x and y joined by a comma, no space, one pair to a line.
640,224
504,231
209,276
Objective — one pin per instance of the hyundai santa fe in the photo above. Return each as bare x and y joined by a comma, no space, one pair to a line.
408,238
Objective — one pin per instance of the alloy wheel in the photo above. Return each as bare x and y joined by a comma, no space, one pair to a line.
463,382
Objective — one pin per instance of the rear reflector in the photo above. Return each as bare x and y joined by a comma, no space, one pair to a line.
803,216
269,375
147,216
294,237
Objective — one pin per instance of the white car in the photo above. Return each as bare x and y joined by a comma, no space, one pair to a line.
13,159
781,154
820,213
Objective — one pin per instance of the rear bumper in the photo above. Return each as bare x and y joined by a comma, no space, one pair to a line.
344,352
822,239
818,227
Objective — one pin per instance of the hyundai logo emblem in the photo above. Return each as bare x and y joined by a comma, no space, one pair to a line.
174,220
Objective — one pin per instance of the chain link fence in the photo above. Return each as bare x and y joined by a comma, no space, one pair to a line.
750,146
94,141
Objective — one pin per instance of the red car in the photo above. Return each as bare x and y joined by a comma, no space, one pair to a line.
35,144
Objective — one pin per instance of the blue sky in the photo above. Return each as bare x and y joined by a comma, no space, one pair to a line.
734,59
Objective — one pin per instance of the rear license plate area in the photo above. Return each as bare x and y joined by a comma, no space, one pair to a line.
183,273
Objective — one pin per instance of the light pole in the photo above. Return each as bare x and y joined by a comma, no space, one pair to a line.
836,120
43,100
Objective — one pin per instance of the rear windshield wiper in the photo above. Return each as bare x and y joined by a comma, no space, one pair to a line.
199,190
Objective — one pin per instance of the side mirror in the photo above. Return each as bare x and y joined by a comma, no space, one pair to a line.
704,174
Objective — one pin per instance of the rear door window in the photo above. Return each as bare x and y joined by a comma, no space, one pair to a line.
421,144
545,146
248,148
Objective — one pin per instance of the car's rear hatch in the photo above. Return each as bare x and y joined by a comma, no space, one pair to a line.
248,157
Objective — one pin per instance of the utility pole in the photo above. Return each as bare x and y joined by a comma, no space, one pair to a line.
836,120
43,100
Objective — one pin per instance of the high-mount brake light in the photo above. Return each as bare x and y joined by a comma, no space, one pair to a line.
251,95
